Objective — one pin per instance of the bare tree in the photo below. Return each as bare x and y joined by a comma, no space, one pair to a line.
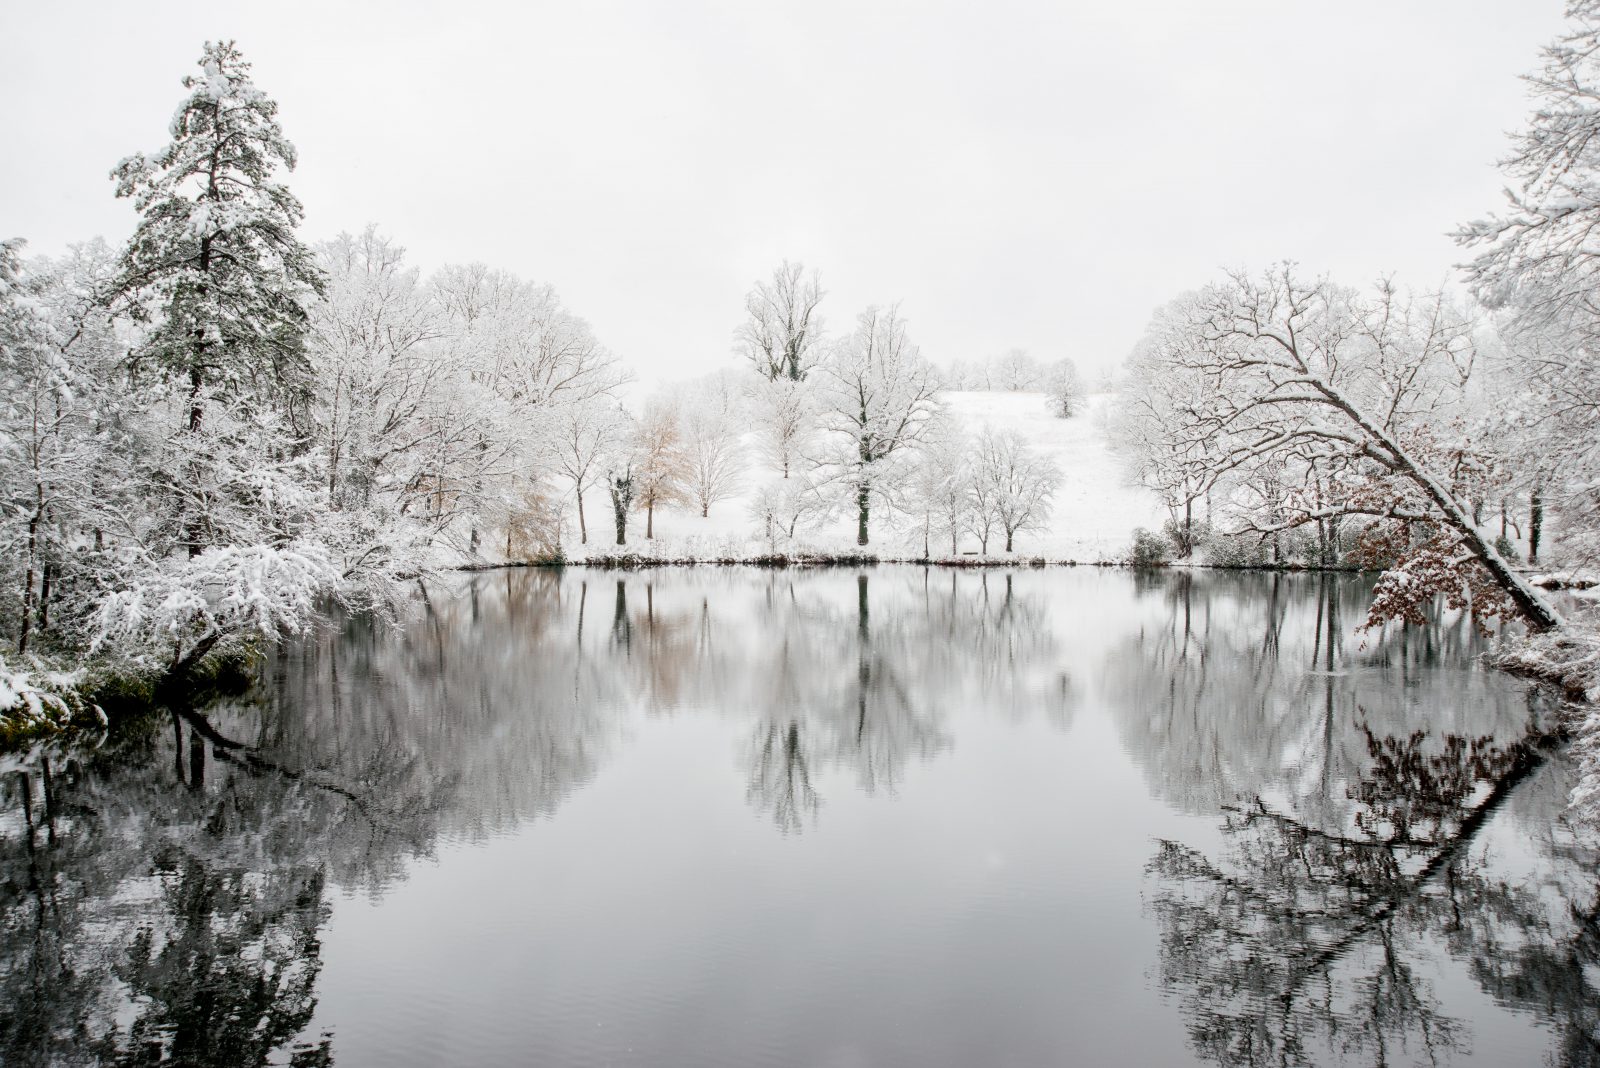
783,415
584,435
659,467
780,505
1012,483
1315,378
1014,371
876,396
962,375
1538,265
521,355
782,334
374,345
1063,388
711,417
1143,423
938,486
58,396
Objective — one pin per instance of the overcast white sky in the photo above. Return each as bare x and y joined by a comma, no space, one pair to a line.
1038,174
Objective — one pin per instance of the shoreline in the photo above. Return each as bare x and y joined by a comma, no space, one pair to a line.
1567,660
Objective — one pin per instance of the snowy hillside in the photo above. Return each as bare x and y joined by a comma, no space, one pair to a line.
1093,519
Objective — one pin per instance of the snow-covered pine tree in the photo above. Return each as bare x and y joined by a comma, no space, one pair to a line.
215,264
222,284
215,268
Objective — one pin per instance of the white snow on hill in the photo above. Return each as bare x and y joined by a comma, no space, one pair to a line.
1093,520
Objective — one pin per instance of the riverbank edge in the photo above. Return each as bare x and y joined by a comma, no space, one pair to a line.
92,696
639,561
88,697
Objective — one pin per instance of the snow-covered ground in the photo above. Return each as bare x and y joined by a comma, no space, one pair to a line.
1093,520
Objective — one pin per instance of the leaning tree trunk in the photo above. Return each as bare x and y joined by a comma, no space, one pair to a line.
1535,609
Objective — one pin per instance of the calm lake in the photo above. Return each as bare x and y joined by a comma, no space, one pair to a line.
819,818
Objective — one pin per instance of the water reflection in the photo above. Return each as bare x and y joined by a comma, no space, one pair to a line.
1357,847
1260,685
1304,943
1385,808
159,910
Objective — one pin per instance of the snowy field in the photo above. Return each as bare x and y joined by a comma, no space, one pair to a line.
1093,519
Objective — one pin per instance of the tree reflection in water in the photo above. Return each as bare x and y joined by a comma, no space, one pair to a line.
164,893
888,708
160,912
1356,855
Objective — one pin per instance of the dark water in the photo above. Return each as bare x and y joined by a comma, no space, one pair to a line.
833,818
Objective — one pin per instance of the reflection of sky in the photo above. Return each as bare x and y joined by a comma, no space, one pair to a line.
988,904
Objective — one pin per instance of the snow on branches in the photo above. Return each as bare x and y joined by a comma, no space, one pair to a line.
1321,402
181,609
37,700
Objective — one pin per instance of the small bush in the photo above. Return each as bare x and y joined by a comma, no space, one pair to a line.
1149,549
1505,548
1233,550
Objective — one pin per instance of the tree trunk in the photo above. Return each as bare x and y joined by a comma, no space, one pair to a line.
182,665
650,520
1188,529
1535,609
863,505
1008,541
191,526
1535,523
47,576
26,623
622,523
583,527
